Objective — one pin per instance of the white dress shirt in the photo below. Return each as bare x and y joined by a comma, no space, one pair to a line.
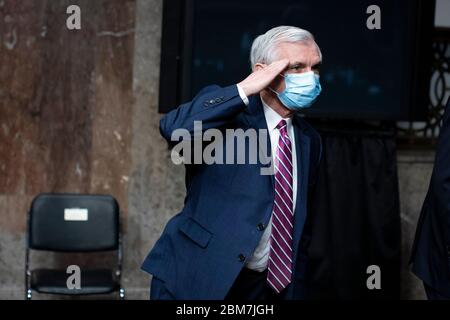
260,258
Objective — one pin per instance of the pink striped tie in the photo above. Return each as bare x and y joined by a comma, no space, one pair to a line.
280,257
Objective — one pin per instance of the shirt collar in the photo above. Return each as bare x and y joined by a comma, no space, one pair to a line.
272,117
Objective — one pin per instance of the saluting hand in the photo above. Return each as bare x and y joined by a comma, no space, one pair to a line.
259,79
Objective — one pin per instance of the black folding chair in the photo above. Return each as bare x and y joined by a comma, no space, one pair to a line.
74,223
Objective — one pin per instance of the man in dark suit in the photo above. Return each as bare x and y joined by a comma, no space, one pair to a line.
431,249
242,234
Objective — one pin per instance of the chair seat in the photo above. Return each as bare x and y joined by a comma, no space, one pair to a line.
99,281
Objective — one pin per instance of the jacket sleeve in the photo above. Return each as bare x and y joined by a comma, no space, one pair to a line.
441,176
213,106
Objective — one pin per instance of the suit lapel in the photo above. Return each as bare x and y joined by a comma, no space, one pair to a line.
302,151
255,118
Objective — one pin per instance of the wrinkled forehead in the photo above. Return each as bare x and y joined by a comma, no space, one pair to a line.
303,51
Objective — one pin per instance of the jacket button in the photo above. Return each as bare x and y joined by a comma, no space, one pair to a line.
211,101
260,227
241,257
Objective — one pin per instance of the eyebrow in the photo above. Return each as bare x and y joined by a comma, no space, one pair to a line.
302,64
297,63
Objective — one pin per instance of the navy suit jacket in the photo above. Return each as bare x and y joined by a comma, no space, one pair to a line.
431,249
227,206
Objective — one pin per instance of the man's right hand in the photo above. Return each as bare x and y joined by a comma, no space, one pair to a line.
258,80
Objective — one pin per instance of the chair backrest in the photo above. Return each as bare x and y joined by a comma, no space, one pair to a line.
73,223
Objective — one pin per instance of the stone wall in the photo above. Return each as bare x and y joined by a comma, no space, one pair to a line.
414,172
78,113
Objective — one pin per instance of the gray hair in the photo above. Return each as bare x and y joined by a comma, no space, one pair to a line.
264,46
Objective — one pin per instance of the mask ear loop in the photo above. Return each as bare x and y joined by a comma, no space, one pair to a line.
273,89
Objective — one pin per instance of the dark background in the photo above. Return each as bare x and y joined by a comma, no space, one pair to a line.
366,74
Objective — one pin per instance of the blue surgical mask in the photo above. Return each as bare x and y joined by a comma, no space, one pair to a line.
301,90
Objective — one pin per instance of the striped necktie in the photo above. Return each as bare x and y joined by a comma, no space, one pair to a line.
280,257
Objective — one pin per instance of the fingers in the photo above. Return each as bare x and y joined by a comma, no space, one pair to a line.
279,65
260,79
275,68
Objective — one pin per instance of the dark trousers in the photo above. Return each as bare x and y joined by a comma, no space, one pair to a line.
252,285
432,294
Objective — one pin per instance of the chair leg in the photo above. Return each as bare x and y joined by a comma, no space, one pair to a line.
28,294
122,294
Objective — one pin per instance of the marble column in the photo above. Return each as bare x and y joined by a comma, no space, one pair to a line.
414,172
66,112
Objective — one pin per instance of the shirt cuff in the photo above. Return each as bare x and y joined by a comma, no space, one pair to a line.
242,95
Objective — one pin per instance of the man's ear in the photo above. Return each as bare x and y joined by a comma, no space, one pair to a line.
259,66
